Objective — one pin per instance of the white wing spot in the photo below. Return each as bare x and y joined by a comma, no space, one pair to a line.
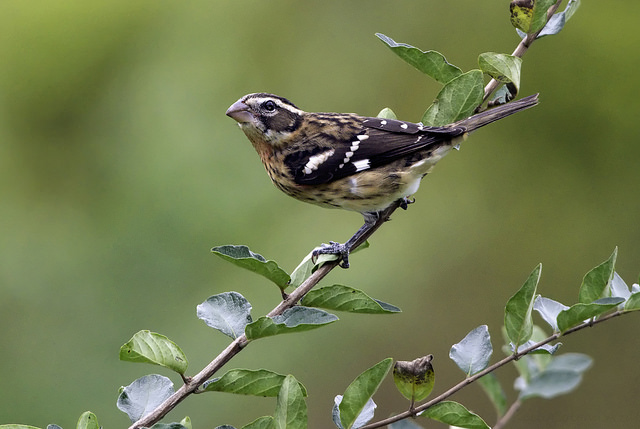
362,137
363,164
315,161
383,122
404,126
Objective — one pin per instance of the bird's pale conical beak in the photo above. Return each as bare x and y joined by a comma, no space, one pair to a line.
240,112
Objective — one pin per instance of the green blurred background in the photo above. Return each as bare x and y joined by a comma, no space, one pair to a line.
119,171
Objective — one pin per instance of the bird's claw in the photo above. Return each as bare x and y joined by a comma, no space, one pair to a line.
333,248
405,201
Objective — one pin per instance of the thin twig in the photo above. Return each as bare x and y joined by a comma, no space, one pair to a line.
502,421
520,50
193,383
515,356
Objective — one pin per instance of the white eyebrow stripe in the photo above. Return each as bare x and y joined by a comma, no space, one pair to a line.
315,161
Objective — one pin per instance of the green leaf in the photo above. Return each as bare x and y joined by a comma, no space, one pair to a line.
472,354
264,422
557,21
345,298
387,113
405,424
414,379
361,390
302,271
363,418
502,67
228,312
168,426
539,17
578,313
186,422
521,14
633,303
517,316
144,395
295,319
549,310
491,386
17,426
291,410
562,375
260,382
431,63
245,258
456,100
150,347
455,414
88,420
595,282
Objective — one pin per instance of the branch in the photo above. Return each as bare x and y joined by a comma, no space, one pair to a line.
520,50
489,369
502,421
192,384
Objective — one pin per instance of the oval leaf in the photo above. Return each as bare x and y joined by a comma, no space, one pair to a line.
431,63
595,282
502,67
169,426
150,347
633,303
365,416
264,422
578,313
143,395
414,379
245,258
491,386
472,354
549,310
360,391
17,426
517,315
561,375
228,312
88,420
456,100
387,113
259,382
291,410
557,22
455,414
295,319
345,298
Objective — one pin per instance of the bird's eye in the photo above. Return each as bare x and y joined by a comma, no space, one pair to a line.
269,106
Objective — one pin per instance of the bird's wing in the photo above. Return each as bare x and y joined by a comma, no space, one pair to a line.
377,142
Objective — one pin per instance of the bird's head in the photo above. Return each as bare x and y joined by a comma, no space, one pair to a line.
266,117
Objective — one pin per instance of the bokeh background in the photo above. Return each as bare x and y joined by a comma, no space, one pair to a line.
119,171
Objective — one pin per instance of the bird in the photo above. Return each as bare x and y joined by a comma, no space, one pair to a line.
347,161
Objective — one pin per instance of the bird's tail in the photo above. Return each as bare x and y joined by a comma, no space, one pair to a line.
488,116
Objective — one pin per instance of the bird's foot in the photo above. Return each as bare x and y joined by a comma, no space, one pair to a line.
405,201
333,248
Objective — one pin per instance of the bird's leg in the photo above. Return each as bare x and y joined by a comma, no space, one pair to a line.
342,250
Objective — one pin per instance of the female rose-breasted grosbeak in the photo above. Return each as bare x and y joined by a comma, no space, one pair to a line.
347,161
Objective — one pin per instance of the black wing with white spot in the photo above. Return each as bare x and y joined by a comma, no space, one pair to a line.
378,142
